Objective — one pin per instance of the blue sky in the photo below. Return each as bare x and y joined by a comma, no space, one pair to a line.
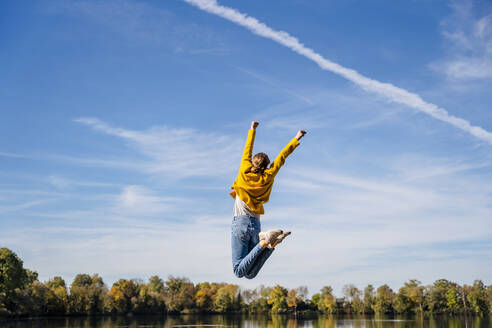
123,124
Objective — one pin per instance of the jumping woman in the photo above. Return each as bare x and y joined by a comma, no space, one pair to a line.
251,247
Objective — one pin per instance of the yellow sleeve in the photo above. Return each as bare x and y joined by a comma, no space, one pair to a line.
248,148
280,160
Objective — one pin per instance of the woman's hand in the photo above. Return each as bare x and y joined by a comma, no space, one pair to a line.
300,134
254,124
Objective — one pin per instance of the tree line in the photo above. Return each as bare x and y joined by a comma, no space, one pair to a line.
22,294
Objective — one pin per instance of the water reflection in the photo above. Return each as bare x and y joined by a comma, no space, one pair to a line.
251,321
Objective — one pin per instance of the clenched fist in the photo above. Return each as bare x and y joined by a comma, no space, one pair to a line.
300,134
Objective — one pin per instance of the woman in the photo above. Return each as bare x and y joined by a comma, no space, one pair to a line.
252,188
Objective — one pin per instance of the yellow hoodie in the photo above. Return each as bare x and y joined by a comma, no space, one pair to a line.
254,188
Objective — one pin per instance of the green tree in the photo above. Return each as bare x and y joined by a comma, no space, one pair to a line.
436,296
39,299
325,300
57,297
369,299
384,300
249,296
82,280
488,293
226,299
13,277
465,290
277,298
88,295
315,300
155,284
157,293
353,299
453,301
147,300
42,299
401,303
410,297
179,294
97,295
260,304
477,297
416,295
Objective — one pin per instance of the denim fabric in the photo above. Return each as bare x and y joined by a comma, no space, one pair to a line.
247,255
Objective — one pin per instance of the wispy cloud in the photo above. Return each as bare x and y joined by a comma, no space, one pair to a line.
64,183
177,152
329,111
268,81
23,206
410,168
12,155
79,160
387,90
141,201
469,33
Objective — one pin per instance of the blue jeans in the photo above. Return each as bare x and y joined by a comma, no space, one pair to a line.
247,255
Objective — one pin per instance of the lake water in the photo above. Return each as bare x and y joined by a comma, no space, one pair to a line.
263,321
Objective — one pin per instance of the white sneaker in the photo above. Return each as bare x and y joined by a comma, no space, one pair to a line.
279,239
270,236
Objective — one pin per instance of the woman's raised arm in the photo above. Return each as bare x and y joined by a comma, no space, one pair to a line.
280,160
250,141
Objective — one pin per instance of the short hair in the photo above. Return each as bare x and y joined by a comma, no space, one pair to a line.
260,163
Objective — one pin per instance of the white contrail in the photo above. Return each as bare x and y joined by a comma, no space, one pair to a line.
388,90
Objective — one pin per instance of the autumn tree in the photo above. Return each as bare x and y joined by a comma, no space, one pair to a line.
205,296
293,300
122,295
